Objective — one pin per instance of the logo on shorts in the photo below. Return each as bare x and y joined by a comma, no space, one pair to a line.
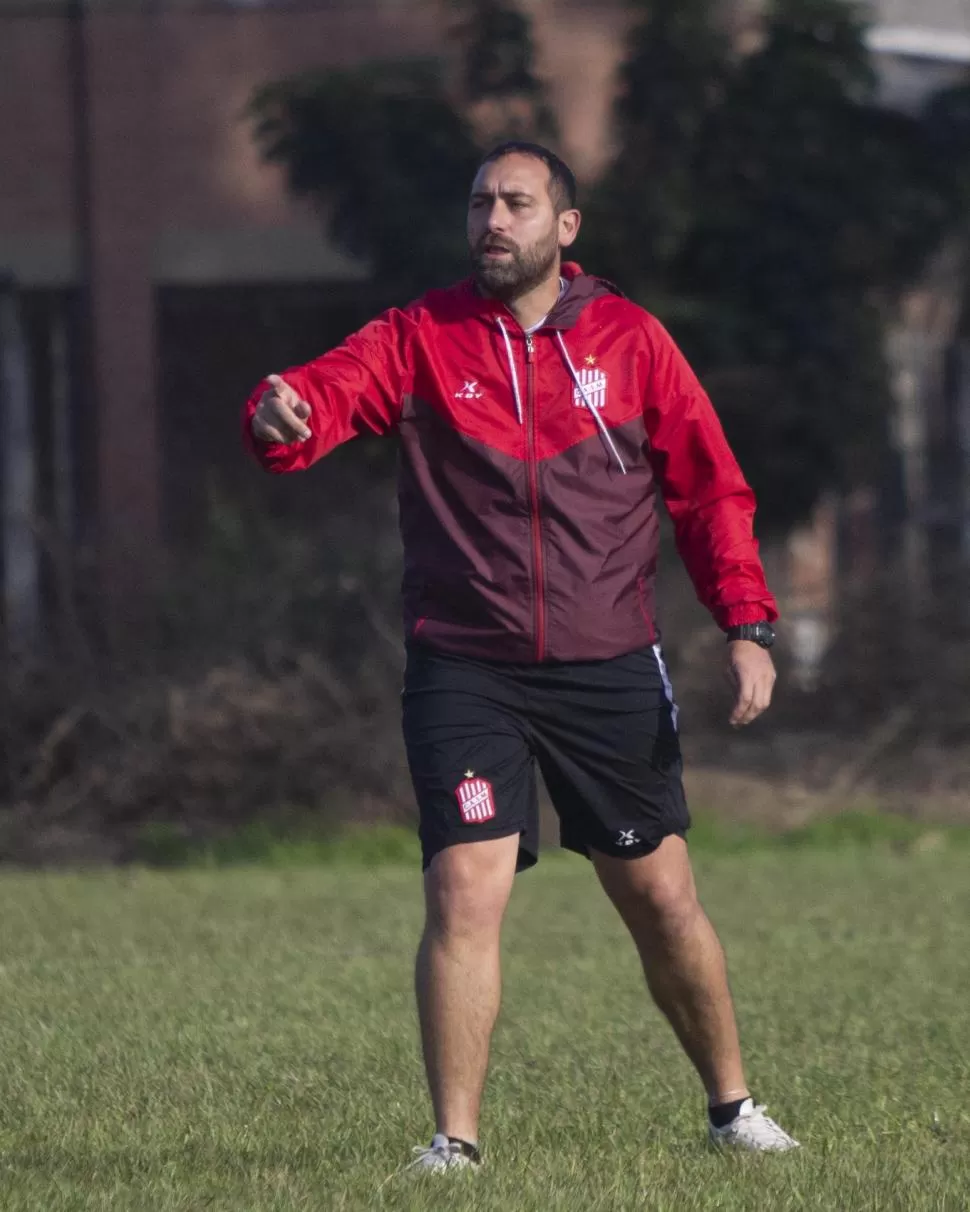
475,799
627,838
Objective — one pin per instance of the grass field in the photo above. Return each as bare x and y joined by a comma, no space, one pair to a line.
243,1039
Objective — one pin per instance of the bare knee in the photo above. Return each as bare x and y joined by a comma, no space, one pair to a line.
666,907
467,888
655,893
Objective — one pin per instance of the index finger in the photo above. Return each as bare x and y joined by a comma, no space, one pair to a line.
283,389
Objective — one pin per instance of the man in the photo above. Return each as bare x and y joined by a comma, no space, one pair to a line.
539,412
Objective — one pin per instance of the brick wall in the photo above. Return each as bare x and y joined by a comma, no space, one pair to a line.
177,192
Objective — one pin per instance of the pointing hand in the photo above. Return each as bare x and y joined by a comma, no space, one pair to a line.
281,415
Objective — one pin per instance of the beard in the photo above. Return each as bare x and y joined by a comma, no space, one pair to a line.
516,275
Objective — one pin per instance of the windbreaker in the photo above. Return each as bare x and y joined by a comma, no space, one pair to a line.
529,470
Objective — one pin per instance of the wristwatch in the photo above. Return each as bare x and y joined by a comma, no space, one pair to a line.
761,633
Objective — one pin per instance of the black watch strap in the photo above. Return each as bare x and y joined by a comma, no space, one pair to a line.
758,633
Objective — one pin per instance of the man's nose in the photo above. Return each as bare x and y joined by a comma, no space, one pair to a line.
498,218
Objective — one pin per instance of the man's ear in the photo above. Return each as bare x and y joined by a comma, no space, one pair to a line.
569,222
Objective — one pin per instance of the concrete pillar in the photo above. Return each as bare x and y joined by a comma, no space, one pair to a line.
18,506
962,389
121,151
810,601
907,357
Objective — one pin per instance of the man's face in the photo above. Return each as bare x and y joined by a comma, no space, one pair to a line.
514,233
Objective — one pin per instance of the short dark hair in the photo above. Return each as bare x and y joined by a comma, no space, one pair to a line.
562,182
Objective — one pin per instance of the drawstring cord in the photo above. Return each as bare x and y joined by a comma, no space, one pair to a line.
601,424
515,378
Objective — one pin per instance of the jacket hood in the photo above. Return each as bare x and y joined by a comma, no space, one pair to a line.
581,290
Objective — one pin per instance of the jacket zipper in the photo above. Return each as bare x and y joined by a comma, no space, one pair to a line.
540,604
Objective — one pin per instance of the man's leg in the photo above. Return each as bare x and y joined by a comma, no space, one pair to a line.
458,978
682,959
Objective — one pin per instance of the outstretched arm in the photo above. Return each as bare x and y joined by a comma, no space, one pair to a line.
293,419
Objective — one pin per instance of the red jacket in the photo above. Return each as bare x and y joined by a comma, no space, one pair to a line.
529,469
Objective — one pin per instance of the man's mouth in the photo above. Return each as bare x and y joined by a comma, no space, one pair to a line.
495,250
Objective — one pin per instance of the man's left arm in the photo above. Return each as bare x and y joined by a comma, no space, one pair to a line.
712,509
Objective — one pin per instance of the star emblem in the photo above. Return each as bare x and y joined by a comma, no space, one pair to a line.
590,360
469,774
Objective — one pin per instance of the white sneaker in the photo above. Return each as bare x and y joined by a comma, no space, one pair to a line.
444,1154
753,1130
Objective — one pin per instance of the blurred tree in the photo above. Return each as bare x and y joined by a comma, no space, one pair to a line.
947,121
815,208
388,159
644,207
498,80
388,150
771,211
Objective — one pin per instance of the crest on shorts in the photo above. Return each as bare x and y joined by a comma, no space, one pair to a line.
591,382
475,799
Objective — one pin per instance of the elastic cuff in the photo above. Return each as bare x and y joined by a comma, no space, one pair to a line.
746,612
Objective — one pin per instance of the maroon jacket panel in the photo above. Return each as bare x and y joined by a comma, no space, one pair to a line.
599,552
465,529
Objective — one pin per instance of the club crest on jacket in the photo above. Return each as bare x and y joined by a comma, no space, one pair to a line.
592,380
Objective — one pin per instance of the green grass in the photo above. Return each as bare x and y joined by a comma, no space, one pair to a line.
300,841
243,1039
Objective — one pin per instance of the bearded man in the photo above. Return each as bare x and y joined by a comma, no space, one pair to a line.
539,413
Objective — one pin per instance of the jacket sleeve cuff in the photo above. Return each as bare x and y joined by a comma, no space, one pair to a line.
272,456
745,612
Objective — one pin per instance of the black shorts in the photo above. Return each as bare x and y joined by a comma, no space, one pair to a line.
604,734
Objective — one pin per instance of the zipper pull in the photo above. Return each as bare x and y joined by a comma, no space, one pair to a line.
530,349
